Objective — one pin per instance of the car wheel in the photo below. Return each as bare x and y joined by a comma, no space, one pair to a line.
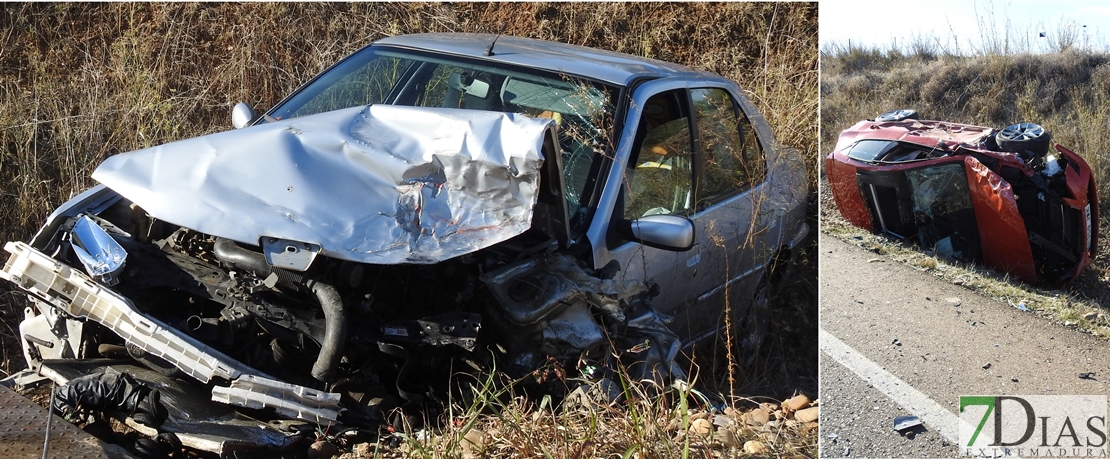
1028,139
898,115
751,331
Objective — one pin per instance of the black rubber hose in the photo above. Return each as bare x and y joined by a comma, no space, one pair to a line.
228,251
335,316
335,331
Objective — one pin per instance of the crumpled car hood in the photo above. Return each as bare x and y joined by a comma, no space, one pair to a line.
374,184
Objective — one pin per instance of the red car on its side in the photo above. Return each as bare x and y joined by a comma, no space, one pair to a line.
1003,198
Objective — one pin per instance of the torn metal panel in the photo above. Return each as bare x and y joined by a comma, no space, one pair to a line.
537,288
574,328
1004,240
287,399
948,132
378,184
101,255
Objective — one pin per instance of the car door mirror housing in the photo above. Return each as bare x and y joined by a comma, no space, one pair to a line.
667,232
242,115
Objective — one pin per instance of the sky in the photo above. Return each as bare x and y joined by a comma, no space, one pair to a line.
963,23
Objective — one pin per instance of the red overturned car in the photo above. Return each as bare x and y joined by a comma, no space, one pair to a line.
1010,199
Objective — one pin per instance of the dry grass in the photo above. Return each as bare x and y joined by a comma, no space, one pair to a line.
81,82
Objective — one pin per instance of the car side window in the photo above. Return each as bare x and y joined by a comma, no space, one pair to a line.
733,159
659,176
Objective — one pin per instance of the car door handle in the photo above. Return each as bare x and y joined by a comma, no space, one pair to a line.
692,262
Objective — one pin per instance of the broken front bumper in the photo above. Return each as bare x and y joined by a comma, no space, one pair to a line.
55,285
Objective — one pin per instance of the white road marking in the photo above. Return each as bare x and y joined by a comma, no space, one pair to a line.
913,400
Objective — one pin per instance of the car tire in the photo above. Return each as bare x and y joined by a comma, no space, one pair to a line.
1030,140
898,115
752,327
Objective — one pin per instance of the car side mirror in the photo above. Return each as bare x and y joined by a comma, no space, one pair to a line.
667,232
241,115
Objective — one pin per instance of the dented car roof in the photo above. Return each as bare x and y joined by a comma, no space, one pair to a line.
933,134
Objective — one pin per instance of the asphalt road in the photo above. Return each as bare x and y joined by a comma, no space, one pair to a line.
945,335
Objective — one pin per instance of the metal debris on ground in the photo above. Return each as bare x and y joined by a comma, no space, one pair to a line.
906,422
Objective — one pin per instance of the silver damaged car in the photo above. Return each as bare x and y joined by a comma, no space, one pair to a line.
429,203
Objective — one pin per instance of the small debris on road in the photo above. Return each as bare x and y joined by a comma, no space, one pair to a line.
1020,305
1014,379
987,366
1087,376
906,422
896,342
875,260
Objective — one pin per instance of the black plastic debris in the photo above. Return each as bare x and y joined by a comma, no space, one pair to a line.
1090,376
163,445
110,392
